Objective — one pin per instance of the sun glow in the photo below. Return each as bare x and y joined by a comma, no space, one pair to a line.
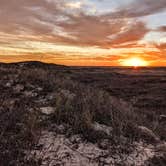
135,62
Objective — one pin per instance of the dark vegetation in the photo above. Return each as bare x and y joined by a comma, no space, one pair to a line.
82,97
80,106
144,88
19,129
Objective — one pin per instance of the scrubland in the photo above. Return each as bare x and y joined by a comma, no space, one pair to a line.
58,115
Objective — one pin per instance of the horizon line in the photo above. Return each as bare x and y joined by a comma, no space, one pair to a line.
52,63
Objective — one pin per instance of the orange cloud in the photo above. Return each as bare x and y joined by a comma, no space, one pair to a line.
42,21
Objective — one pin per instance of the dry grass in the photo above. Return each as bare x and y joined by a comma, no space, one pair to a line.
81,106
78,104
18,133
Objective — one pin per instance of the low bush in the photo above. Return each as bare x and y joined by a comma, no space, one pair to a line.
81,106
18,133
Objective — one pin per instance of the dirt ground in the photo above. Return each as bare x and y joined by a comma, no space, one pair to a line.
82,115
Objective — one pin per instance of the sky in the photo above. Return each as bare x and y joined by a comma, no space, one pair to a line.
83,32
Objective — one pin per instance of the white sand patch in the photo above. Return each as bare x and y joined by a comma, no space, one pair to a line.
57,149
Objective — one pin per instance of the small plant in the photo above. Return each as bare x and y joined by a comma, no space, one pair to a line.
81,106
19,131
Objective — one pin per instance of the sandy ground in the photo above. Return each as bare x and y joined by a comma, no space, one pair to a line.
59,150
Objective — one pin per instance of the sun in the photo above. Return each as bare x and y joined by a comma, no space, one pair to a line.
135,62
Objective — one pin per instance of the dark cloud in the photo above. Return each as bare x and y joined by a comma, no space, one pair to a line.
139,8
162,28
161,46
19,15
130,35
91,30
51,21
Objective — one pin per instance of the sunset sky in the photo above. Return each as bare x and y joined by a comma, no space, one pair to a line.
83,32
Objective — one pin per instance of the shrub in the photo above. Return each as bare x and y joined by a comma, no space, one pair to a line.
81,106
18,133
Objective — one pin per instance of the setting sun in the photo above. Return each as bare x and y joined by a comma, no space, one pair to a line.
135,62
84,32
